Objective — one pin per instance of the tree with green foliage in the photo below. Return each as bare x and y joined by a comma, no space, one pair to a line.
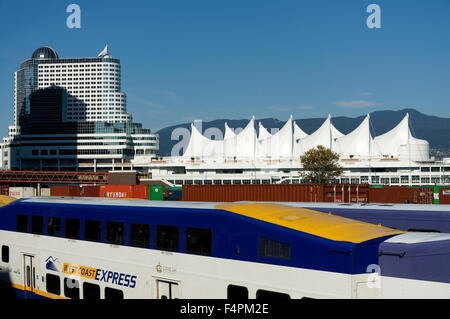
320,165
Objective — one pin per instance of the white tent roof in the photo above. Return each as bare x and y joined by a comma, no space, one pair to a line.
200,146
291,141
242,144
263,132
278,144
298,132
228,132
400,142
324,136
358,143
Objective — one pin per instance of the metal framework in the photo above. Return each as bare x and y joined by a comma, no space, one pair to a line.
53,177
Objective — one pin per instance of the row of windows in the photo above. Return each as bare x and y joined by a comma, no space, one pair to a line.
72,289
198,240
105,66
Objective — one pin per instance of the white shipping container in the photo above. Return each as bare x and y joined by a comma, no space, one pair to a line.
45,191
22,192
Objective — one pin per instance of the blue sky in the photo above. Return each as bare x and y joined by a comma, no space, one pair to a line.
205,59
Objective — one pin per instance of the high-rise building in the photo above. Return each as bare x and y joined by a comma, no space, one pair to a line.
70,114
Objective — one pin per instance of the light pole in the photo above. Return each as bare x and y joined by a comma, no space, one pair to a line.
319,171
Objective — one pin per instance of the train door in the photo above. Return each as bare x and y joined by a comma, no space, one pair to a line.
29,276
167,289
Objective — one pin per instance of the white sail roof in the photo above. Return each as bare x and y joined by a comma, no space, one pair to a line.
400,142
242,145
358,143
291,141
200,146
298,132
278,144
263,132
324,136
228,132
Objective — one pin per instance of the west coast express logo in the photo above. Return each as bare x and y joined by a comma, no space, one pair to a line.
98,274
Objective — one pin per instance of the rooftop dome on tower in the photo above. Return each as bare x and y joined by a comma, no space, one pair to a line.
45,53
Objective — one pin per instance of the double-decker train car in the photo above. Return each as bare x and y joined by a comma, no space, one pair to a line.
89,248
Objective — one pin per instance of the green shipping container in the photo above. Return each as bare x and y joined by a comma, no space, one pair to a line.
156,192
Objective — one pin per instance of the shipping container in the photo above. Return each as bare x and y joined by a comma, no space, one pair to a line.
90,191
156,193
4,189
444,195
65,190
404,195
124,191
122,178
262,192
45,191
22,192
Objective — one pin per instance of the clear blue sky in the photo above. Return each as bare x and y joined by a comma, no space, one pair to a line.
206,59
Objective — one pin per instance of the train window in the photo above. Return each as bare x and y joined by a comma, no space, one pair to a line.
71,288
267,294
114,233
167,237
139,235
237,292
273,248
54,226
72,228
37,225
111,293
5,254
199,241
53,284
93,230
91,291
22,223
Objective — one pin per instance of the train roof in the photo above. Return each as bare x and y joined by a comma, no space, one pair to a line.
309,221
374,206
296,218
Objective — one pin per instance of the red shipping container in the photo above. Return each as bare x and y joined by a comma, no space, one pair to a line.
124,191
90,191
65,190
444,196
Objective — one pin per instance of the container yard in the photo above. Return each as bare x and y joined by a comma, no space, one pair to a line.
328,193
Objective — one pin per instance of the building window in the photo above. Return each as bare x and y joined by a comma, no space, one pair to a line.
273,248
54,226
140,235
167,237
199,241
115,233
237,292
